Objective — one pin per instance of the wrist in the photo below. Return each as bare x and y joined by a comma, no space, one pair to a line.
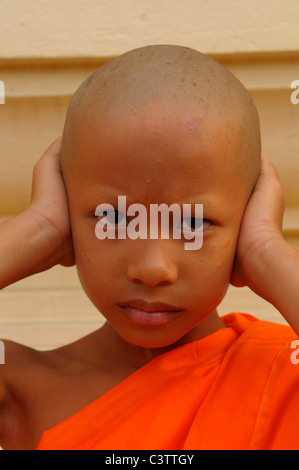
266,265
281,278
45,241
26,247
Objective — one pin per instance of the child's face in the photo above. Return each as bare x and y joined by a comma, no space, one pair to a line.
155,155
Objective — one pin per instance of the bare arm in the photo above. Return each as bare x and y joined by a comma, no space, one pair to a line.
39,237
31,242
277,279
265,261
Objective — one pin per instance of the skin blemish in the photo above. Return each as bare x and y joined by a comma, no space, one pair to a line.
193,124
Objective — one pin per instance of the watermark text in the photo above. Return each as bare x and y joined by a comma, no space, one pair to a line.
2,92
132,222
295,354
2,353
295,94
150,459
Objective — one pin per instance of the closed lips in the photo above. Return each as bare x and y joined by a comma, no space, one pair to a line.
149,306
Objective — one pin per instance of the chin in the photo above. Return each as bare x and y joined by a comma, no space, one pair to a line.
155,339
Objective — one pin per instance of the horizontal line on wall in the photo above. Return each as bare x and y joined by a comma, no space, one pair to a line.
57,77
230,57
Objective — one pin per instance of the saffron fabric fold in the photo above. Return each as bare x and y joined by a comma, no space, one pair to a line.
234,389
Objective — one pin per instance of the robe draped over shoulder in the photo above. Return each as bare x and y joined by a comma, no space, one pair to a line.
234,389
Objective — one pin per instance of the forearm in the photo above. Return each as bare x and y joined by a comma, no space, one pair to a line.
24,248
277,279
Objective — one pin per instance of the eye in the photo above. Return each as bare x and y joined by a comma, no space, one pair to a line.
193,224
112,217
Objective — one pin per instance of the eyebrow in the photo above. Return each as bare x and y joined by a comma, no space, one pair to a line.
108,192
109,196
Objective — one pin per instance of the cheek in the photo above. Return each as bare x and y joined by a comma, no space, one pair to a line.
96,279
95,264
224,253
211,270
217,254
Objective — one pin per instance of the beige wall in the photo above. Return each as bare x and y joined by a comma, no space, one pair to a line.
93,28
47,47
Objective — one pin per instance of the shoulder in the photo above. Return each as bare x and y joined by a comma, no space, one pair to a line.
252,329
22,363
24,377
262,356
18,365
269,335
31,385
261,343
14,358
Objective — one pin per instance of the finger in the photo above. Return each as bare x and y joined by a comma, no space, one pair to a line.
47,176
269,192
50,159
267,167
51,156
54,148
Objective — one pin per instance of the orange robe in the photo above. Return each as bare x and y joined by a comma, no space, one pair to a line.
234,389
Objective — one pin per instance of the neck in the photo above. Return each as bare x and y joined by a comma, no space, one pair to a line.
126,354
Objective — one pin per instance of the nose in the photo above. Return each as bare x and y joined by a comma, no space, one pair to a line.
152,263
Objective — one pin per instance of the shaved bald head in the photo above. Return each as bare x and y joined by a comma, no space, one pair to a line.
159,125
172,76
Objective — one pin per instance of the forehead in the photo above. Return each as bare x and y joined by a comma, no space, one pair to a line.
158,149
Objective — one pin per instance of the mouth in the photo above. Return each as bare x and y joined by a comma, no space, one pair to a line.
149,314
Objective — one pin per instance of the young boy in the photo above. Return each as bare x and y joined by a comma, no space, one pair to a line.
159,125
